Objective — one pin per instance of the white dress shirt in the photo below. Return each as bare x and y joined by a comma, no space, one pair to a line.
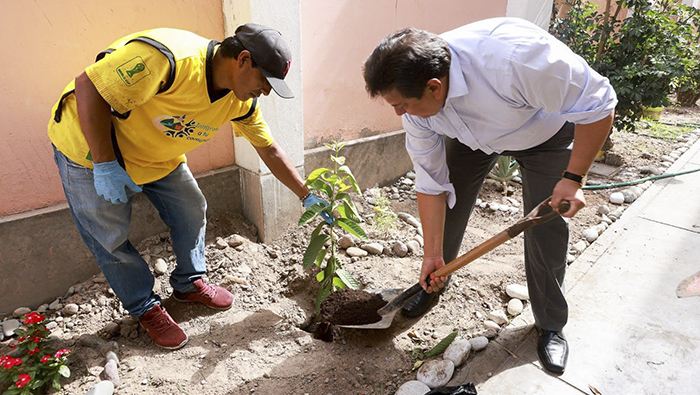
512,86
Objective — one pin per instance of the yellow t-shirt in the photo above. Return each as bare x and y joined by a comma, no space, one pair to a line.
154,130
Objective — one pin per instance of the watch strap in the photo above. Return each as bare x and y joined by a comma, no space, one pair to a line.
573,177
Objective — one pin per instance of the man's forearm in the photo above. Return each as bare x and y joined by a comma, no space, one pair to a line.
282,168
588,139
95,119
432,215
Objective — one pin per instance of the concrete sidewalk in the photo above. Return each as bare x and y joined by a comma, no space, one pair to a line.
628,332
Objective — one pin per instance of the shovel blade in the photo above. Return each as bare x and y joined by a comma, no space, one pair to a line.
387,295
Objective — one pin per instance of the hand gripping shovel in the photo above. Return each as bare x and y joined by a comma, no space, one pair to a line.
538,215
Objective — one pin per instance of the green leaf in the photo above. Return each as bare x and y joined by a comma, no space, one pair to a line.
312,251
417,353
346,170
417,364
351,212
64,371
348,279
318,229
320,185
338,283
320,276
323,294
332,265
350,208
442,346
351,227
316,174
311,213
320,257
340,160
332,179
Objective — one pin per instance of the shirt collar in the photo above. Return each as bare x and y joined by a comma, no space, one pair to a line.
213,95
457,84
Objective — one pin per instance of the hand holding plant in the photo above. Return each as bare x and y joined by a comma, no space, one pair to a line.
32,366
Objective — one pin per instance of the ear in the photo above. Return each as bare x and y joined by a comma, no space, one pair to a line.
435,86
243,57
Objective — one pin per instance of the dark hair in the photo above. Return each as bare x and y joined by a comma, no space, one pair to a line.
406,60
231,47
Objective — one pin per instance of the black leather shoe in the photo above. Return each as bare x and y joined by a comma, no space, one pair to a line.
553,351
422,302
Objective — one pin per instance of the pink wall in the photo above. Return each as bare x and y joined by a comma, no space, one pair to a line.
46,43
337,36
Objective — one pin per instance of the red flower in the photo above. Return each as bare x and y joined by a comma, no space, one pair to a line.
61,353
34,351
10,362
21,339
45,358
33,318
35,339
23,380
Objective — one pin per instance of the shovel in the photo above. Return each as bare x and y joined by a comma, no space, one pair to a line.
396,298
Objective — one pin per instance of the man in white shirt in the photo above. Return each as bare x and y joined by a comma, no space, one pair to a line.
500,86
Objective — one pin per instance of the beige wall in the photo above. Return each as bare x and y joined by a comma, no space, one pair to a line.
46,43
337,36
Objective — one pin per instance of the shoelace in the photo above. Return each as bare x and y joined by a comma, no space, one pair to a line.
207,291
160,322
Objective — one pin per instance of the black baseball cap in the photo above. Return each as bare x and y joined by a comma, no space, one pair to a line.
270,53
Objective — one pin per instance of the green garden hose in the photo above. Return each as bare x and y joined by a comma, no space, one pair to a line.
641,180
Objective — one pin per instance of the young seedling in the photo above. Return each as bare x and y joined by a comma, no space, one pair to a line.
504,171
334,185
384,218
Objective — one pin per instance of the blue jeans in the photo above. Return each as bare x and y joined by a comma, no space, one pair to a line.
105,227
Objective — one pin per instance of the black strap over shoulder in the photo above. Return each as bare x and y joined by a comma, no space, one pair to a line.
57,115
117,151
103,54
147,40
168,54
249,113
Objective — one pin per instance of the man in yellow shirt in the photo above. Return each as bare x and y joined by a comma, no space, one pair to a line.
123,127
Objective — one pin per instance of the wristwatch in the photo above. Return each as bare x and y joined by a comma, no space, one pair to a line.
573,177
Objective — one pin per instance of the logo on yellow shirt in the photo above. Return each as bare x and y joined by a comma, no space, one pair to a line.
174,126
133,71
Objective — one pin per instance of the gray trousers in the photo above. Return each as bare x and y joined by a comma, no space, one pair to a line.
545,245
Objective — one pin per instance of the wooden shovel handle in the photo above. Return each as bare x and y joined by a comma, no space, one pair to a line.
535,217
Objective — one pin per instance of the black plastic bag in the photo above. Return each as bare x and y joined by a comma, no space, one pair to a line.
464,389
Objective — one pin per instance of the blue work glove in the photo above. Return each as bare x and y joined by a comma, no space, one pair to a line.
110,181
313,199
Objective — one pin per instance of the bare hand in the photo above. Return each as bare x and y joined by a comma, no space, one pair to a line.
431,264
570,191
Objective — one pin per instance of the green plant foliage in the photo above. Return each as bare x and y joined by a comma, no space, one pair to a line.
504,170
384,218
441,346
639,53
33,366
333,185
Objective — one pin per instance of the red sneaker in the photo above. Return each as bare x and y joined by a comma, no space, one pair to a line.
162,329
212,296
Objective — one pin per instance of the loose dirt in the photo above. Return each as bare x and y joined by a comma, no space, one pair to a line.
264,344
